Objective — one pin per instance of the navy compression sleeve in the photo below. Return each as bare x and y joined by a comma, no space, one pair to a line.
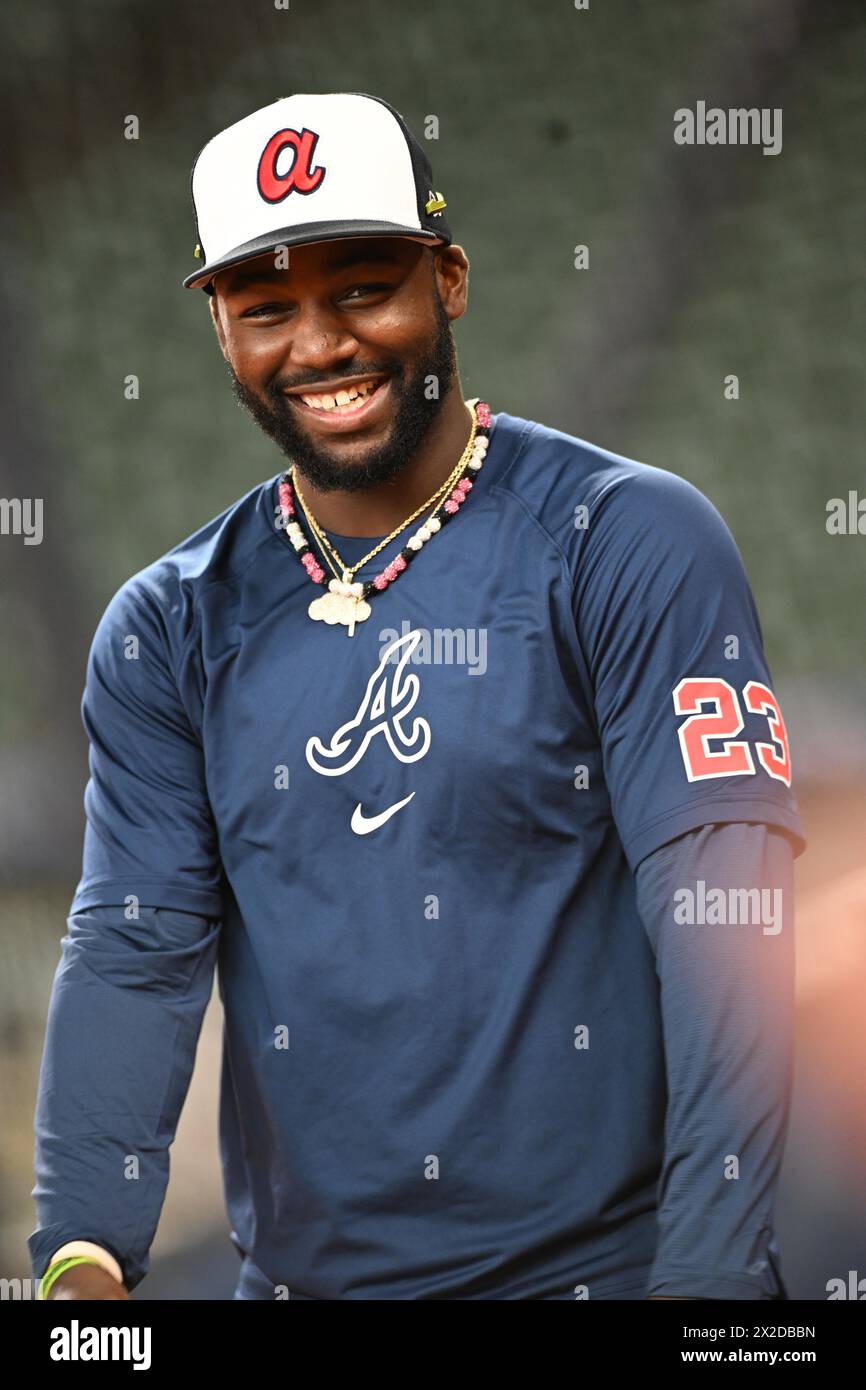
717,906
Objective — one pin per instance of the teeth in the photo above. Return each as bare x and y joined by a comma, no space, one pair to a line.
342,400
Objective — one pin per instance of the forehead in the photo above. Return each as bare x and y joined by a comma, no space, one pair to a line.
319,258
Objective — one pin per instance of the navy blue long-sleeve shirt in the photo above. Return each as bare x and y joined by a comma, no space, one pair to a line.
464,1040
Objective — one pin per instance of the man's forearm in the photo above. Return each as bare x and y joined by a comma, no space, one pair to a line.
123,1023
726,994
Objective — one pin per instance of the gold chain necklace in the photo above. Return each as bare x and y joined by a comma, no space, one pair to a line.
329,550
345,571
346,601
340,570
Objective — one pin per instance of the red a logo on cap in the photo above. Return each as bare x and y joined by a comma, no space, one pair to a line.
300,178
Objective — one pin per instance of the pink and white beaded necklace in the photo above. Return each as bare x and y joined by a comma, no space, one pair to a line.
345,600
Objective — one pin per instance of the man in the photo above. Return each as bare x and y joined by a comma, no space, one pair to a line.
455,744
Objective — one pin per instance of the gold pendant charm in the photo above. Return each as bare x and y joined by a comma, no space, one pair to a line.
334,608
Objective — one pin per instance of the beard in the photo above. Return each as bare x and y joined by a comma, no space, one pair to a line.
413,418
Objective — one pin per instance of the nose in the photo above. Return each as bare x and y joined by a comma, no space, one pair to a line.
320,338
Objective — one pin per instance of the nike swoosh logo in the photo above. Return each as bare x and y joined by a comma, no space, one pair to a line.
362,825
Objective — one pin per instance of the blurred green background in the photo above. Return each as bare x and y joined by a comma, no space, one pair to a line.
555,130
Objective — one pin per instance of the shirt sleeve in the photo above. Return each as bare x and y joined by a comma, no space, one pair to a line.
149,833
137,962
124,1018
717,907
689,726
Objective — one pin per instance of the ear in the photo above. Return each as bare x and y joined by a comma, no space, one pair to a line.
217,323
451,277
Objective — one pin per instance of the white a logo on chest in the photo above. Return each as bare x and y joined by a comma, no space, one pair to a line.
388,700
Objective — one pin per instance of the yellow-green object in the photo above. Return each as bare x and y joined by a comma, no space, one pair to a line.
60,1267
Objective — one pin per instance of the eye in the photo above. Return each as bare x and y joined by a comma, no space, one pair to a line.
364,290
261,311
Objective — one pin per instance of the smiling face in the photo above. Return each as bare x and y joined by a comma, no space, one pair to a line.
333,356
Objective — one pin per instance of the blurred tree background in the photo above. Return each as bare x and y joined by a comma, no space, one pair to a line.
555,129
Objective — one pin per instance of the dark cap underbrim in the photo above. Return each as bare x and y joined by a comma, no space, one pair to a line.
303,236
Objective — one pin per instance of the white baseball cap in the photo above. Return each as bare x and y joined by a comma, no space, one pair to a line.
311,167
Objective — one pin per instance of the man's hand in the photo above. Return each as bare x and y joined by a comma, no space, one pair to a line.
86,1282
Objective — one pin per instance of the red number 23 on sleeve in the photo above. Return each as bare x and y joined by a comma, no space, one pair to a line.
724,721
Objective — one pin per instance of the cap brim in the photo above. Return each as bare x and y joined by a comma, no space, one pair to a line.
303,236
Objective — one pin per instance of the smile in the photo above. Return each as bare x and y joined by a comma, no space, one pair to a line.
344,408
